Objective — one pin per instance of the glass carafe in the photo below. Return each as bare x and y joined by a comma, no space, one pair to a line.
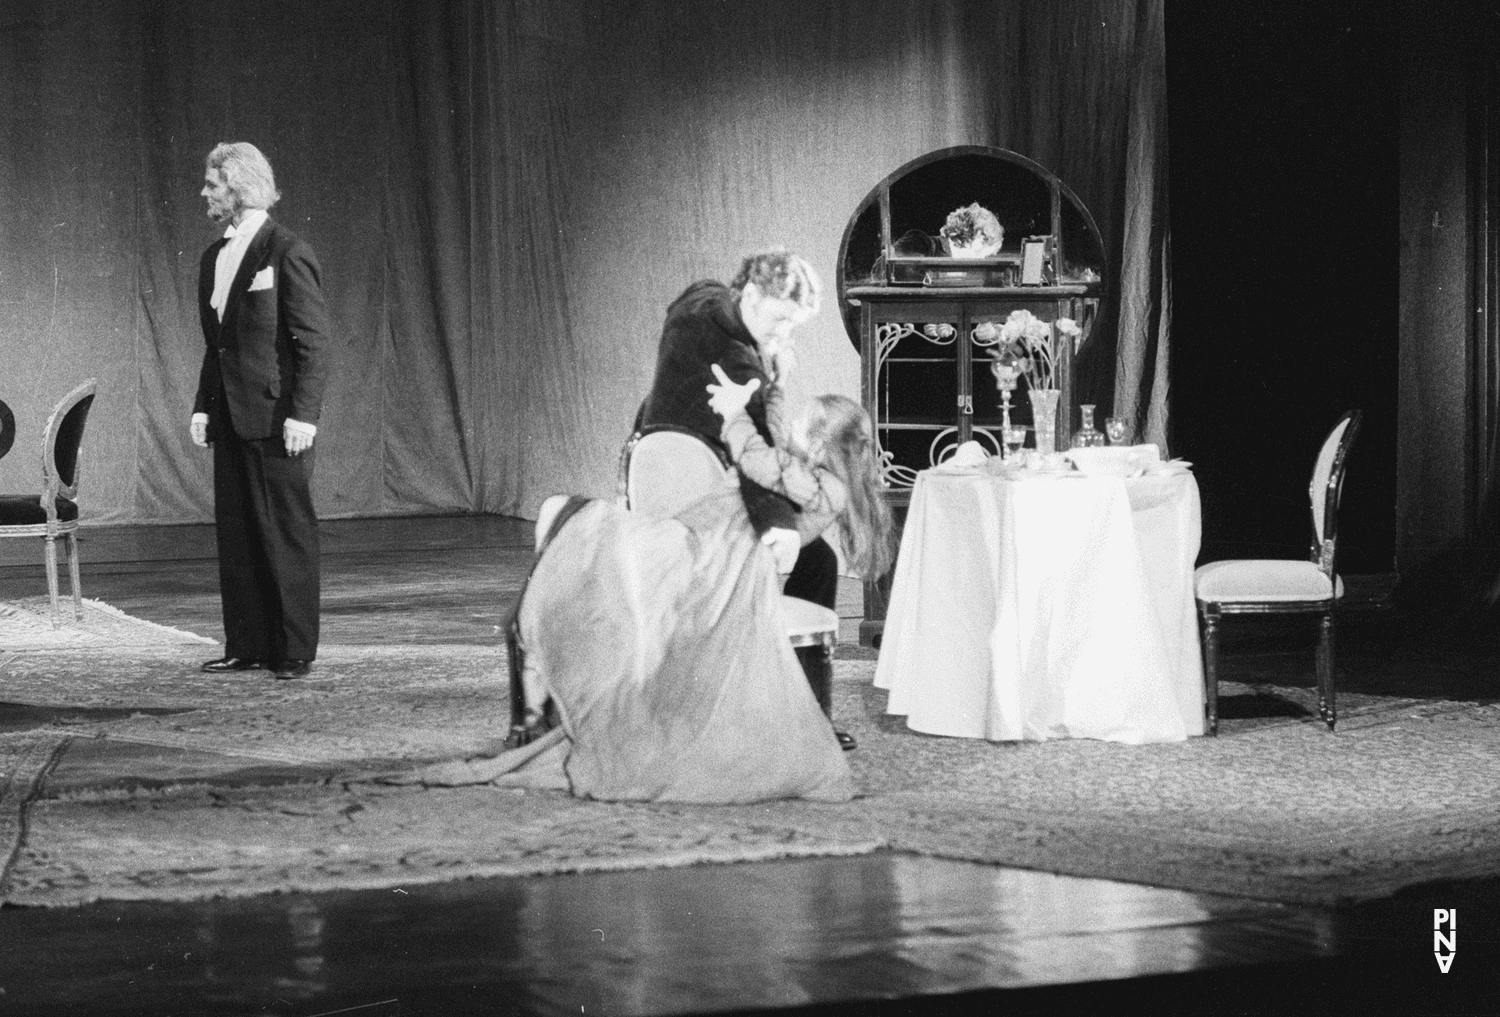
1087,436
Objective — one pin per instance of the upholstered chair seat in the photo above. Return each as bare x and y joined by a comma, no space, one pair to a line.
1268,580
26,510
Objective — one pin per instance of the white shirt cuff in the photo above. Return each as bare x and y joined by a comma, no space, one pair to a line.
200,418
298,427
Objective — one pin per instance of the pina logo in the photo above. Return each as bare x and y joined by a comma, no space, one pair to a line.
1445,937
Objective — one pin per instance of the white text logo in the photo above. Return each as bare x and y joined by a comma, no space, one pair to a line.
1444,937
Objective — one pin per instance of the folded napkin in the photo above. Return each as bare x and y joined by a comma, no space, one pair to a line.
970,453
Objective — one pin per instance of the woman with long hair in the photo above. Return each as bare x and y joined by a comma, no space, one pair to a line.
829,472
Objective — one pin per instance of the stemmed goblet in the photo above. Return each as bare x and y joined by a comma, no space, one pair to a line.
1007,370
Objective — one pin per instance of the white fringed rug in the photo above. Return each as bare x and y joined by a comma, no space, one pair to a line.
26,625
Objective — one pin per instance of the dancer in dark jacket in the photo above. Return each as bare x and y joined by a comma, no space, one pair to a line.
746,329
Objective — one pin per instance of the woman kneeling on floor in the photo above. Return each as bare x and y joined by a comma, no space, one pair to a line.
660,642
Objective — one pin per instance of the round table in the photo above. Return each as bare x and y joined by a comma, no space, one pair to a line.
1046,607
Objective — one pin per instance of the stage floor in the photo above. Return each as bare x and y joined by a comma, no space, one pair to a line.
893,934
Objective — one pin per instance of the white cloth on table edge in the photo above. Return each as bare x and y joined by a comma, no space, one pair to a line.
1101,643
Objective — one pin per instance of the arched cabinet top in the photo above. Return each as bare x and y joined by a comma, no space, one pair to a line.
894,247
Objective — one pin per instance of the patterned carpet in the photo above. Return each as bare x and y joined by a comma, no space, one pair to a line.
182,785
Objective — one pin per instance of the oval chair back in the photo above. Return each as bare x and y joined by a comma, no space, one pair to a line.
64,438
668,468
1326,489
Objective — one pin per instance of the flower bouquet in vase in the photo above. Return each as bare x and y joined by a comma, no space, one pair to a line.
1027,342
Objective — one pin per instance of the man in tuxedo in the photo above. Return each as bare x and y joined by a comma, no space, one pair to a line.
260,392
746,329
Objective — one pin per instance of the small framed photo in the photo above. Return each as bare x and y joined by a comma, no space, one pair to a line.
1034,251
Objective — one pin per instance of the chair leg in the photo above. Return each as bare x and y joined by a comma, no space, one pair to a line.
1327,708
49,553
1209,617
532,711
516,659
73,576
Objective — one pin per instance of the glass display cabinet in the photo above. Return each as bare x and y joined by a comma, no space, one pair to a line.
914,301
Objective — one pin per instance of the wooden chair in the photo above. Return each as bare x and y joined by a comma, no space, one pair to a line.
1284,586
54,513
665,469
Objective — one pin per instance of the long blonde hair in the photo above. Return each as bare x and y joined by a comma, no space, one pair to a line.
848,453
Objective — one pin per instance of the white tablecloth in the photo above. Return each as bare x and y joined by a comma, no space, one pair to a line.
1046,608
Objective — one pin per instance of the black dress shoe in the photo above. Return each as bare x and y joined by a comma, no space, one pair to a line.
232,664
846,740
289,669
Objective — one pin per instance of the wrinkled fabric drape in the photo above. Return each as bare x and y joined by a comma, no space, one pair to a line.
1145,277
505,195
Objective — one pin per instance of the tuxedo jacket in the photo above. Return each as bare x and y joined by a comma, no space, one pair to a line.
704,328
270,357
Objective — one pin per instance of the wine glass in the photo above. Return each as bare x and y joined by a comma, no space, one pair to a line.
1015,440
1116,429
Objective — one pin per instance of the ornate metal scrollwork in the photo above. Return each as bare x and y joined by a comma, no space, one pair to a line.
888,334
935,454
979,340
892,474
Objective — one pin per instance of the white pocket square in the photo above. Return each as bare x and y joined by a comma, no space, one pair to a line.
263,280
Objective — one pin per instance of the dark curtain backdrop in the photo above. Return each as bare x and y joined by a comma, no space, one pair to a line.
505,195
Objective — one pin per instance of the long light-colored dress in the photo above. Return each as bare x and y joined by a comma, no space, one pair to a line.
662,645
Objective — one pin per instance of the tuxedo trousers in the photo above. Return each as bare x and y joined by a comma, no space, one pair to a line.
268,549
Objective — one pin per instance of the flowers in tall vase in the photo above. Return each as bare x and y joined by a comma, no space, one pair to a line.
1027,341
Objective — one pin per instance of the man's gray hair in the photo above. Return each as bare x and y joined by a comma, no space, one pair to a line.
247,173
782,274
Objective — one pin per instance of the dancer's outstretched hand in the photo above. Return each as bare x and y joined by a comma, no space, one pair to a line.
728,399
